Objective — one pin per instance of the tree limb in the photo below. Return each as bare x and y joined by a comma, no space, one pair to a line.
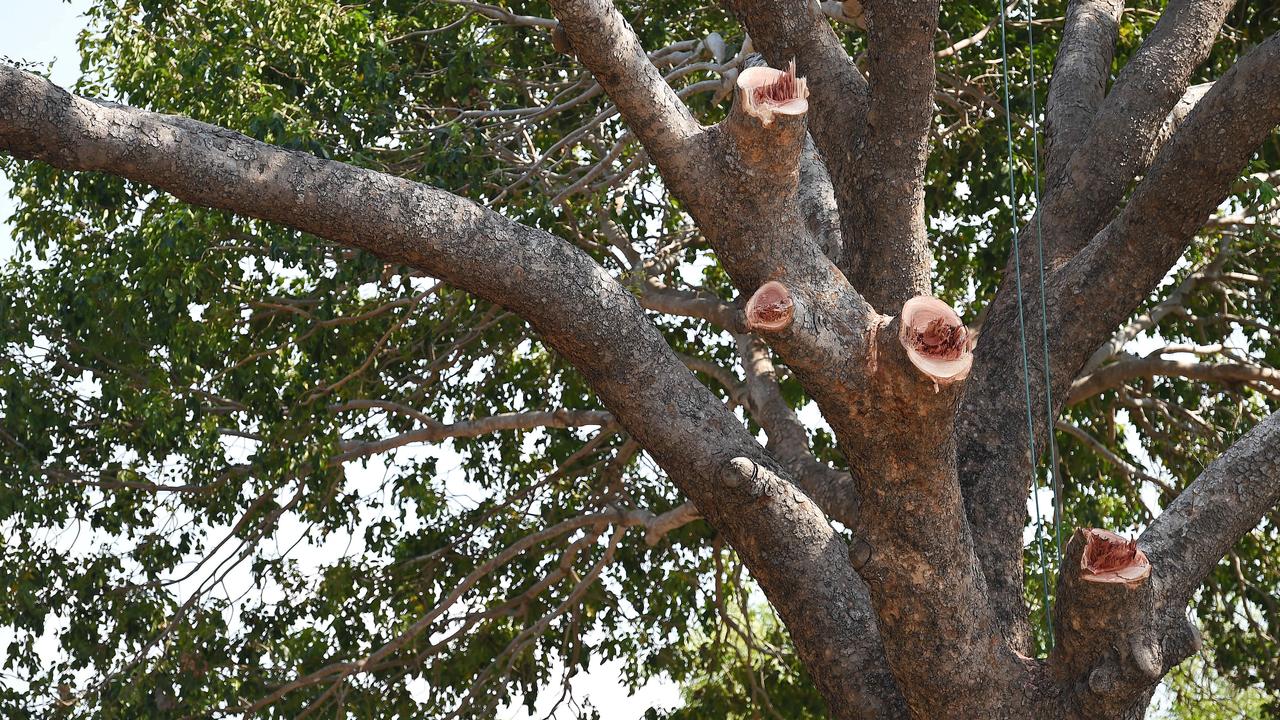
1089,297
1116,641
886,252
1228,500
604,42
789,441
435,431
690,304
1080,74
1191,175
793,30
1081,199
1112,376
571,301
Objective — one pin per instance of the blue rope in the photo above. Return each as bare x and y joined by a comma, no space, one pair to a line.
1022,325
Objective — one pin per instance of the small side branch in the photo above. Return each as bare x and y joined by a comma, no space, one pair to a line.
831,489
436,432
1112,376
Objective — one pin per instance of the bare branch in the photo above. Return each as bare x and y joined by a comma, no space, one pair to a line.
886,252
504,16
1080,74
1109,377
793,30
1120,463
1115,641
605,43
831,489
435,432
1193,533
1148,320
1094,293
690,304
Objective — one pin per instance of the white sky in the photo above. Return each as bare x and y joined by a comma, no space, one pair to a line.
44,31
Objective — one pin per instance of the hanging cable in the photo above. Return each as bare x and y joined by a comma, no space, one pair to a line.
1022,325
1052,468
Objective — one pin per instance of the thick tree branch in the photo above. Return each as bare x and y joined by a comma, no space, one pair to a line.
570,300
818,202
1175,117
1092,295
886,252
1080,74
795,30
1116,640
1190,177
1127,124
1227,501
604,42
816,192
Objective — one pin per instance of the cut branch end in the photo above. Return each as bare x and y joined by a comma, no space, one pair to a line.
1112,558
767,92
936,340
771,308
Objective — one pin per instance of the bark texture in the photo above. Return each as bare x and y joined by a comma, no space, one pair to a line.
1086,298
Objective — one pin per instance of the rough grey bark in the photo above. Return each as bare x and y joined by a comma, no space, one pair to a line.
1080,200
997,473
933,618
923,615
569,300
839,94
1079,80
886,251
1116,642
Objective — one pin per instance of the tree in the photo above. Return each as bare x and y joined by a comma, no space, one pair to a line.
218,346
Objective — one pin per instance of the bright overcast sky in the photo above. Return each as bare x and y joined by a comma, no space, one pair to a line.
44,32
